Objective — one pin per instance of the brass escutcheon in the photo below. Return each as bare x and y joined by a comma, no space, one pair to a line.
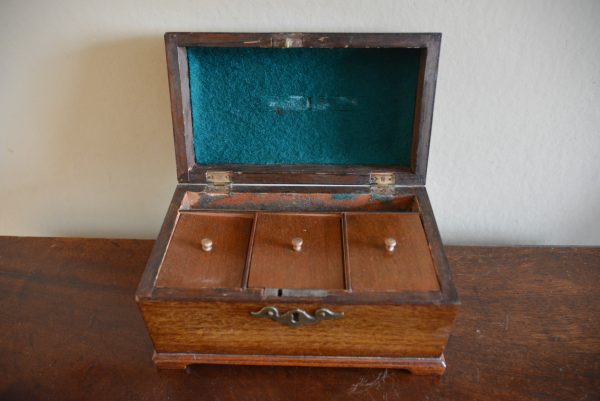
297,317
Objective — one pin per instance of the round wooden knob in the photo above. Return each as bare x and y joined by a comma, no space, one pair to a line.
207,244
297,244
390,244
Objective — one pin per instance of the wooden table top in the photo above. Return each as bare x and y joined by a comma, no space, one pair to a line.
528,329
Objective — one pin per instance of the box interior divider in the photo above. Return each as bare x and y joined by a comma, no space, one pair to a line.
341,251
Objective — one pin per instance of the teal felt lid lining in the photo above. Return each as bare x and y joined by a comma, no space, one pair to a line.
303,106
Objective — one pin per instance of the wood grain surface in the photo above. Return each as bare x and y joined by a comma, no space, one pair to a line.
364,330
417,366
371,268
320,263
528,329
186,265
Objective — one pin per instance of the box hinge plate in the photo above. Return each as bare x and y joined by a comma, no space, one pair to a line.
382,183
218,182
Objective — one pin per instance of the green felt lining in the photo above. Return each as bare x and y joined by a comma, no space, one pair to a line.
303,106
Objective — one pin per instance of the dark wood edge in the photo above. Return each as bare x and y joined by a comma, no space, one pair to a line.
333,189
146,285
304,214
181,113
419,366
346,254
246,274
438,254
375,212
306,39
291,174
188,171
224,213
257,295
426,98
418,108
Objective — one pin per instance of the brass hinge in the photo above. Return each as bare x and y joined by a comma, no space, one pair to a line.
219,182
382,183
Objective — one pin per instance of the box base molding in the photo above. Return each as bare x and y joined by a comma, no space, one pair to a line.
417,366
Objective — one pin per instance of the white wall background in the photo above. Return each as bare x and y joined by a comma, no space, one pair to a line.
85,130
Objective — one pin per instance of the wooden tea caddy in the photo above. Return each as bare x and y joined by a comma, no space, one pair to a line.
292,261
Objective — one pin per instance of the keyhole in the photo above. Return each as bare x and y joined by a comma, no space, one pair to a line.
295,317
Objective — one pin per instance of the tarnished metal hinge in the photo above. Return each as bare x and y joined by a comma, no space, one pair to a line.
219,182
382,183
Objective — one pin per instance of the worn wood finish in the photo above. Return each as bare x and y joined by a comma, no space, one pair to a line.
424,112
365,330
186,265
319,40
278,198
70,330
146,285
444,273
418,366
293,296
303,174
297,199
408,268
246,275
181,113
188,171
320,263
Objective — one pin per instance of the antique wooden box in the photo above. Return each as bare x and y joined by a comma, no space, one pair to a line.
300,232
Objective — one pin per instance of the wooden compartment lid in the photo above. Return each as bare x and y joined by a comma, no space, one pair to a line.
302,108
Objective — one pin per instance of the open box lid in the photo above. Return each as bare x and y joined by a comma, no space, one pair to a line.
302,108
